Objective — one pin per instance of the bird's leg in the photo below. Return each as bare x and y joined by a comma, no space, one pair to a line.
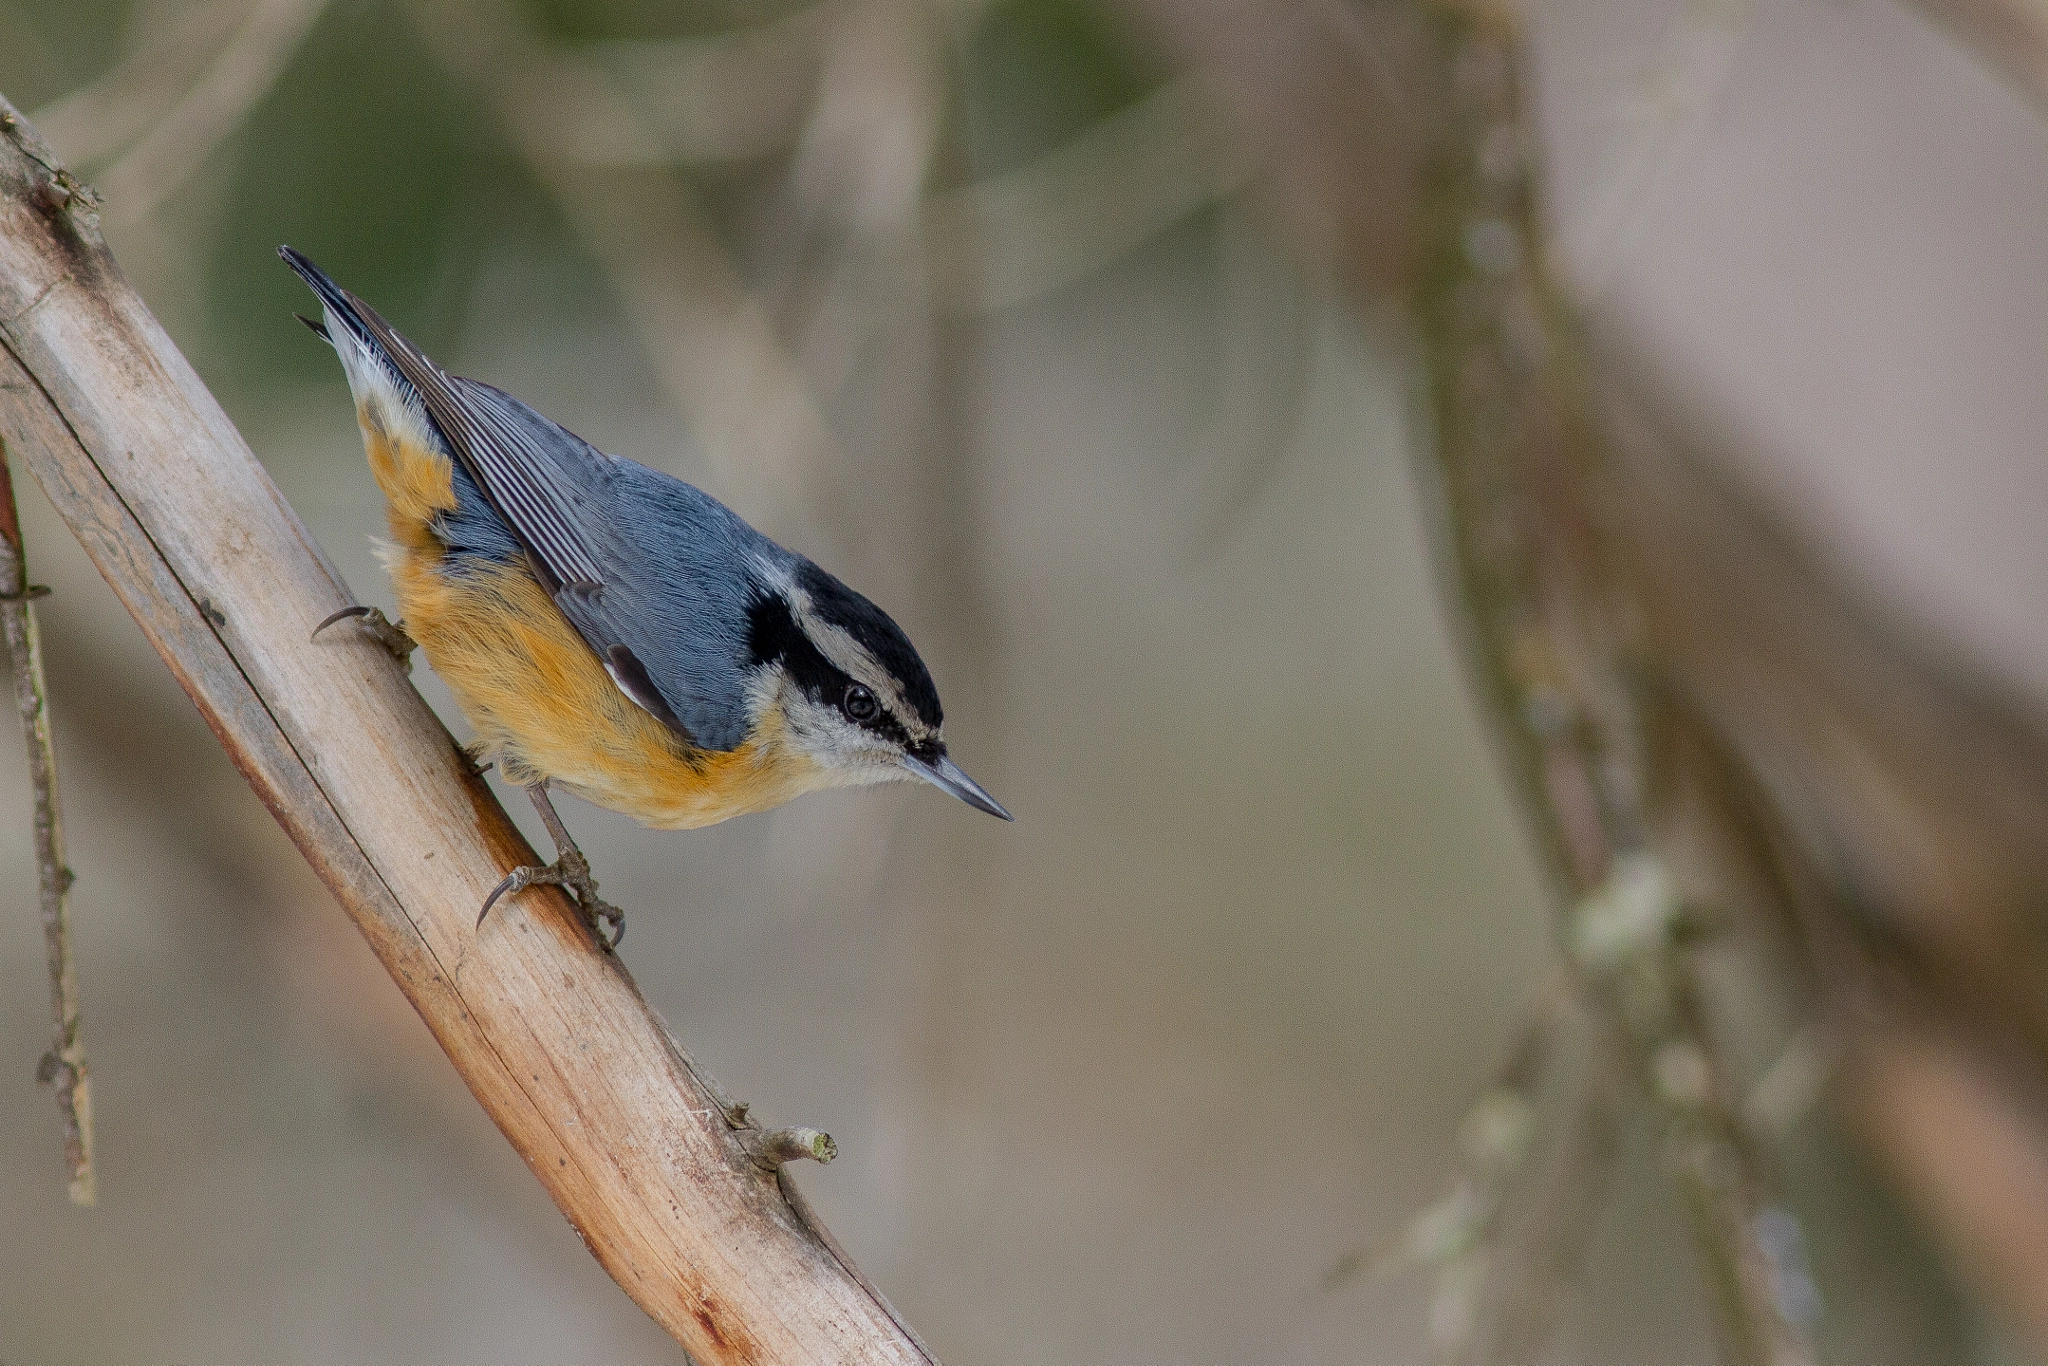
390,634
570,871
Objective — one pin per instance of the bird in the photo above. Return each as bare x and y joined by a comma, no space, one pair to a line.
610,630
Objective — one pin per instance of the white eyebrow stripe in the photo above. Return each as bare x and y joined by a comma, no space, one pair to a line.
843,651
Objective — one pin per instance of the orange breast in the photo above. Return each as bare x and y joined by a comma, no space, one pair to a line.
542,705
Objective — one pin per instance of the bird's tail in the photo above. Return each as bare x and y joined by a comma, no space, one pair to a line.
363,341
340,305
409,456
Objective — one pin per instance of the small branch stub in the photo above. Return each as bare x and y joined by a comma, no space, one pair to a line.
771,1149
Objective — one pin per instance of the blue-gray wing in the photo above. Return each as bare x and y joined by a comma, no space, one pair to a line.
662,591
535,473
504,451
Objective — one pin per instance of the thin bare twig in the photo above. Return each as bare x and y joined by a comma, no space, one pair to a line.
64,1065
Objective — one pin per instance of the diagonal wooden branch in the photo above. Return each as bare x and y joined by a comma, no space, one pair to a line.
64,1065
657,1173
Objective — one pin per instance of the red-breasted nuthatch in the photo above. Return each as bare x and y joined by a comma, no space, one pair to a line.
612,630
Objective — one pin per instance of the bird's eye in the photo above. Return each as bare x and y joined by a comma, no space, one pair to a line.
859,704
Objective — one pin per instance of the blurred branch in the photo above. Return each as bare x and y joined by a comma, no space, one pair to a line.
64,1065
711,344
723,97
652,1167
1967,1152
1535,1283
1266,336
1516,449
1516,438
2012,35
1459,1237
180,141
91,124
1892,814
847,253
1683,692
1077,208
1784,1093
1328,100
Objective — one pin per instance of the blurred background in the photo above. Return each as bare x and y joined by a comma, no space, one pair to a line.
1014,314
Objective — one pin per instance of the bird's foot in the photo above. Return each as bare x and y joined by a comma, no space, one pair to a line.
392,635
570,872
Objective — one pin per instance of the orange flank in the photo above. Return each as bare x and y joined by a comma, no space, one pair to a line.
542,704
417,483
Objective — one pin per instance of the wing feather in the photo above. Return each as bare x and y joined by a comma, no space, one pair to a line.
500,452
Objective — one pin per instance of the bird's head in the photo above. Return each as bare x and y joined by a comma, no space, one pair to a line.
851,693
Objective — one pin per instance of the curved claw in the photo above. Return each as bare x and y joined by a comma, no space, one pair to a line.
607,922
343,615
390,634
518,880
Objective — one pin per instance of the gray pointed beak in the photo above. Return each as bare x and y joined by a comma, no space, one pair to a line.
946,776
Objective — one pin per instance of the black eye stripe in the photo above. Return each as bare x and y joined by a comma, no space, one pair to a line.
773,636
886,726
